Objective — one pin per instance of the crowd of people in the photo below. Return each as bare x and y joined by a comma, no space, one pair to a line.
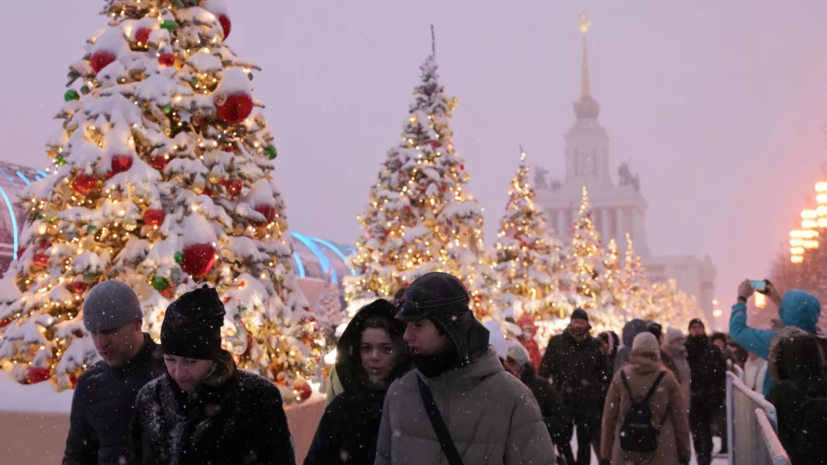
421,380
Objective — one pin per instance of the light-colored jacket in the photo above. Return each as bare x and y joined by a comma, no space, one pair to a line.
755,370
491,416
667,409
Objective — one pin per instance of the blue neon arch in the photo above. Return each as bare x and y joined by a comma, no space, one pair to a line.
13,220
299,265
335,249
319,253
23,177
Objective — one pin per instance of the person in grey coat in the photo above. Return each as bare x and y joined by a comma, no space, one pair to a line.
632,329
490,417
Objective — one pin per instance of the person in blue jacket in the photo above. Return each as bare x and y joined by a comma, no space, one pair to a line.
797,308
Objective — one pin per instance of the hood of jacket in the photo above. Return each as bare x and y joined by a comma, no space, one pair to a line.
794,355
801,309
348,350
632,329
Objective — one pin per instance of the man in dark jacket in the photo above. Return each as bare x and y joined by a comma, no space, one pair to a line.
657,330
555,414
708,386
581,374
103,402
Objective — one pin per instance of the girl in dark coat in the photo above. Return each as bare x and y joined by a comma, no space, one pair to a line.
798,377
371,355
204,410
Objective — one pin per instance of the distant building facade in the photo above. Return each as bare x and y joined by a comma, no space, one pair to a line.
618,208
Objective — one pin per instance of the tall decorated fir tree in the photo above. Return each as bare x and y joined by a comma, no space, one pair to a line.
637,290
587,257
528,258
420,217
163,180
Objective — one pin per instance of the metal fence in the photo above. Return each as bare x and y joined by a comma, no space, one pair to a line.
751,425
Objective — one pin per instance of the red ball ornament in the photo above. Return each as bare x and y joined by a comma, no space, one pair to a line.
83,184
303,391
166,59
38,375
226,24
461,166
101,59
21,251
198,259
234,187
168,293
4,322
407,208
79,287
434,143
40,259
73,378
142,36
233,108
159,162
121,163
267,211
154,216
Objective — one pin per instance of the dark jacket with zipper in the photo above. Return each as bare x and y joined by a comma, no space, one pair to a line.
232,418
708,374
349,429
103,405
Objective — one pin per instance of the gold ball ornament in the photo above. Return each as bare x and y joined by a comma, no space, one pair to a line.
130,224
198,187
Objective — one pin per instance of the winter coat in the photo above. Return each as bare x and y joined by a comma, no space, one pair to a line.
527,340
798,308
232,418
334,387
755,370
556,415
349,428
491,416
796,384
579,371
667,408
102,407
708,374
678,354
667,361
630,330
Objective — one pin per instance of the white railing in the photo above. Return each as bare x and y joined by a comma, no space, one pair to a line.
751,426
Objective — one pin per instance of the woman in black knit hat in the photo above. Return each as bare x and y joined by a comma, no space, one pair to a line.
205,410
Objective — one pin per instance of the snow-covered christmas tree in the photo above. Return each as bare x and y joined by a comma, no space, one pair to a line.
588,256
420,217
163,180
637,290
528,257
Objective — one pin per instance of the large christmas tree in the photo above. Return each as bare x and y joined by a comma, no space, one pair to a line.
163,180
420,217
529,259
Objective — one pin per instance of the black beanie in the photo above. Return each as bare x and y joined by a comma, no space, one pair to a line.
696,321
579,314
192,325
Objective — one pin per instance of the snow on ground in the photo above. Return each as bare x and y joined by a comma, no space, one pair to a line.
40,398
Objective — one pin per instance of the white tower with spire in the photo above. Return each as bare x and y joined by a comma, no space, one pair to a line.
618,209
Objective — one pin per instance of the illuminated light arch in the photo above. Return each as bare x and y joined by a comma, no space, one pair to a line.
299,265
335,249
11,180
23,177
43,174
13,219
319,253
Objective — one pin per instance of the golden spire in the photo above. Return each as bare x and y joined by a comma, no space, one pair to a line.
585,24
586,107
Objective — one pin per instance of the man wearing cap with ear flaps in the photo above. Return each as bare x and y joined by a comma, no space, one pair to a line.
580,372
491,416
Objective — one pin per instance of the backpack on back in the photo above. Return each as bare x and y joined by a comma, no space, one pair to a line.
638,433
812,440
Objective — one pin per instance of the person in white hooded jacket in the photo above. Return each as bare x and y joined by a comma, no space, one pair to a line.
755,369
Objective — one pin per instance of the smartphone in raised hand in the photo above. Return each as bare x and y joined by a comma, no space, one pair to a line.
759,285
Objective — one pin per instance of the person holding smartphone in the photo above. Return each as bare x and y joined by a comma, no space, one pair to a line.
796,308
